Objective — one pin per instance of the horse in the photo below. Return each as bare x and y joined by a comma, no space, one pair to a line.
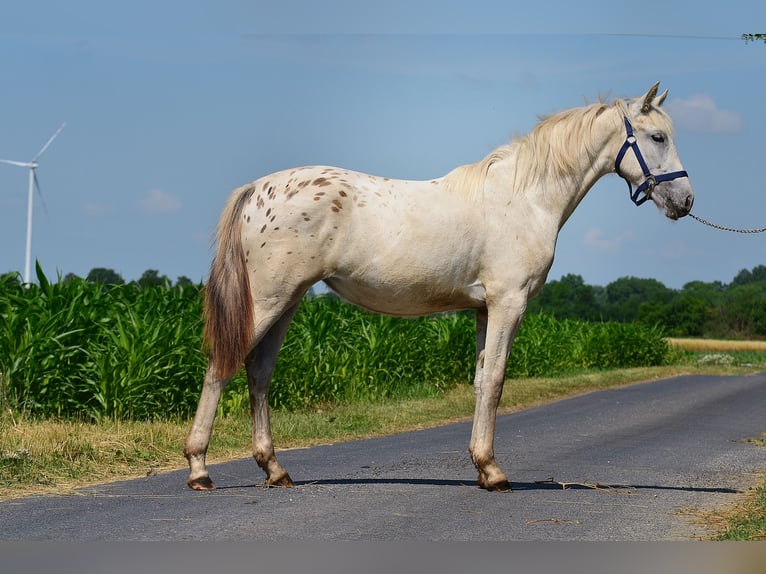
480,238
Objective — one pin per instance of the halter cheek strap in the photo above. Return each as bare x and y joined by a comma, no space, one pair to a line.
651,180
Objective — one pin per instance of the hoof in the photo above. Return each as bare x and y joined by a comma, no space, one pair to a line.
283,481
201,483
499,486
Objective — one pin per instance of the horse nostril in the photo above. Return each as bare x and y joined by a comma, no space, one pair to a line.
689,202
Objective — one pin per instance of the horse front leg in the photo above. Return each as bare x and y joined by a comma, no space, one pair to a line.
260,368
198,439
481,339
497,328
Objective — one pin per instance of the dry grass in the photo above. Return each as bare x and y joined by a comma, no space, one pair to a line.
55,456
712,345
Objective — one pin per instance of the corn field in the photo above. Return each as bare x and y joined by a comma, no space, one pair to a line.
77,349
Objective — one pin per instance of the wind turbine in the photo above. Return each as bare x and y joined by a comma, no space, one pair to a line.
32,165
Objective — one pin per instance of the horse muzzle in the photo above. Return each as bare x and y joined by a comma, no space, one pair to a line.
676,203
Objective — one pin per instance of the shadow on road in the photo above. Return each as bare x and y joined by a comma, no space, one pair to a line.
536,485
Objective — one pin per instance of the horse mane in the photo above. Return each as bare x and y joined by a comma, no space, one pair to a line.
469,179
554,147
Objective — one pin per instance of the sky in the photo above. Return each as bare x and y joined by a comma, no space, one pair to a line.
170,105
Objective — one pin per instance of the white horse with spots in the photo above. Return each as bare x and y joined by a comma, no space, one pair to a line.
482,237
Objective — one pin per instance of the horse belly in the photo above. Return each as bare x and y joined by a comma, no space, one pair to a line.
407,300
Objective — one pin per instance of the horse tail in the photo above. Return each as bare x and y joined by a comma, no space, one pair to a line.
228,303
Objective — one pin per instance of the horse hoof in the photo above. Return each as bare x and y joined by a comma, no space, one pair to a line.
499,486
201,483
283,481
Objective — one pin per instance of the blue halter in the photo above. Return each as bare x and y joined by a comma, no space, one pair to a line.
651,181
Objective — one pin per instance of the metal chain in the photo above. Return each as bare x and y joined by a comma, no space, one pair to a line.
721,227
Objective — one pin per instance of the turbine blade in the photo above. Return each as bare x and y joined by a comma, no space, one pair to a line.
39,191
18,163
49,142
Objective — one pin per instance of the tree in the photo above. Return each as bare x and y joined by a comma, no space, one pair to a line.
568,298
624,297
104,276
184,281
688,316
758,274
152,278
745,311
754,38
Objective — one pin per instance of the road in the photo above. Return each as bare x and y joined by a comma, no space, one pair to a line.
657,452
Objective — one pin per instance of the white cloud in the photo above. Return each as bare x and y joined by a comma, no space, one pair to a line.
596,240
700,114
158,201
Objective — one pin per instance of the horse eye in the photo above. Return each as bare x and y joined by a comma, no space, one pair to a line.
659,138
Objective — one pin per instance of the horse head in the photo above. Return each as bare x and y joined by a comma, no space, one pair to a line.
653,167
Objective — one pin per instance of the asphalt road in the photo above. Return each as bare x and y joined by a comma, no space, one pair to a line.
656,449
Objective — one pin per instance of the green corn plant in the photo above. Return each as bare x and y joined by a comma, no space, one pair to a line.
78,349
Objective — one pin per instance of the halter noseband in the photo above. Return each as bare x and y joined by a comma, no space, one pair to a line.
651,181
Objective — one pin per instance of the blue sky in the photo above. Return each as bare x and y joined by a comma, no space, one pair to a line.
170,105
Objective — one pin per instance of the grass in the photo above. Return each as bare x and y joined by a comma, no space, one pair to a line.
749,520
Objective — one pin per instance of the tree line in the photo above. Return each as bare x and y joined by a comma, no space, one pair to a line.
699,309
110,277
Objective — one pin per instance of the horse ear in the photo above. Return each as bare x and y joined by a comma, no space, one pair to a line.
661,99
649,98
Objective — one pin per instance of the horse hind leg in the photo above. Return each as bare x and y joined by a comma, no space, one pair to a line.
198,439
260,368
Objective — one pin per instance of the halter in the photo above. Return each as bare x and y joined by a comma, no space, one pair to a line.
651,181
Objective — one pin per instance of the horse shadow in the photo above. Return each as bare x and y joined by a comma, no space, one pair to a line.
515,485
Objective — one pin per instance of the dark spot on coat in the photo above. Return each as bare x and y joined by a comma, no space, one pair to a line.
337,203
342,193
322,181
263,228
